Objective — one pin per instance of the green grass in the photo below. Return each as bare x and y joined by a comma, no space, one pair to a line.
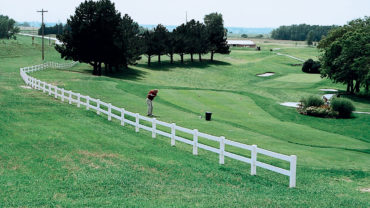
54,154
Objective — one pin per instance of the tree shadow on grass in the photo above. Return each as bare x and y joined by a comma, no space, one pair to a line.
127,74
166,65
361,98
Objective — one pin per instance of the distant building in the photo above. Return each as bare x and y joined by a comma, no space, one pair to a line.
241,43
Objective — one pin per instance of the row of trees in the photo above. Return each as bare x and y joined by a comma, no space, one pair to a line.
97,34
345,56
190,38
301,32
56,29
7,27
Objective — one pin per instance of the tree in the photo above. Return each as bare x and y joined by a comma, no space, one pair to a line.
149,48
311,66
179,36
130,46
244,36
217,34
7,27
309,38
345,55
191,38
160,40
91,34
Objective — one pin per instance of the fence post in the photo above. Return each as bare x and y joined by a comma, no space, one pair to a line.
56,92
70,97
137,122
173,134
78,99
122,116
154,127
222,150
253,159
98,107
109,111
87,103
62,94
43,87
293,168
49,85
195,142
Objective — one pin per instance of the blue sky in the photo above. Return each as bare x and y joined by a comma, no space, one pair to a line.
237,13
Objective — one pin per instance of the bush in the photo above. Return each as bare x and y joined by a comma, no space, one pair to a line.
312,101
311,66
343,106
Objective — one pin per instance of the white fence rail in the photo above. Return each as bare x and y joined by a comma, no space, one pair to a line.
173,129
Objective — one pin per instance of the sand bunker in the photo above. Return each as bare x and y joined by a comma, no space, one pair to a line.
328,96
267,74
362,112
329,90
291,104
26,87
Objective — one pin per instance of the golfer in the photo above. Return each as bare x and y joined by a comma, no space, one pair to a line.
149,100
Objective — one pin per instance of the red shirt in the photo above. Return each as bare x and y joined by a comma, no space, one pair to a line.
151,94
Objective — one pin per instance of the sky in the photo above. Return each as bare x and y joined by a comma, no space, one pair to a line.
236,13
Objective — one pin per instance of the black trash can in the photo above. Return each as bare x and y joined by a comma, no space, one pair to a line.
208,116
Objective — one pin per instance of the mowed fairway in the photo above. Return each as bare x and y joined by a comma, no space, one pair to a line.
55,154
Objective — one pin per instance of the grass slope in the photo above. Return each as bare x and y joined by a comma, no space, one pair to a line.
55,154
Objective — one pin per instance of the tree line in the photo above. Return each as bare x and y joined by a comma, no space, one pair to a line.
301,32
8,27
98,34
56,29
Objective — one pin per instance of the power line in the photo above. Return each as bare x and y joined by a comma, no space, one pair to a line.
42,29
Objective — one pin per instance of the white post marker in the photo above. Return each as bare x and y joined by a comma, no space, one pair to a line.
137,122
253,159
195,142
109,111
293,168
78,99
154,127
122,116
222,150
87,102
98,107
173,134
70,97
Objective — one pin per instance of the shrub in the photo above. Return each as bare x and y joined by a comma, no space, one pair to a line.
343,106
317,111
311,66
312,101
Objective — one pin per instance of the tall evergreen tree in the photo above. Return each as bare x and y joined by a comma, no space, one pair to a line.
149,48
216,34
91,34
160,40
180,43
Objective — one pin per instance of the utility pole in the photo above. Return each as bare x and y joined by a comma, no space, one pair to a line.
42,31
186,16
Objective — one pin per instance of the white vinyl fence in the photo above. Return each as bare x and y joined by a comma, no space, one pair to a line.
137,120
